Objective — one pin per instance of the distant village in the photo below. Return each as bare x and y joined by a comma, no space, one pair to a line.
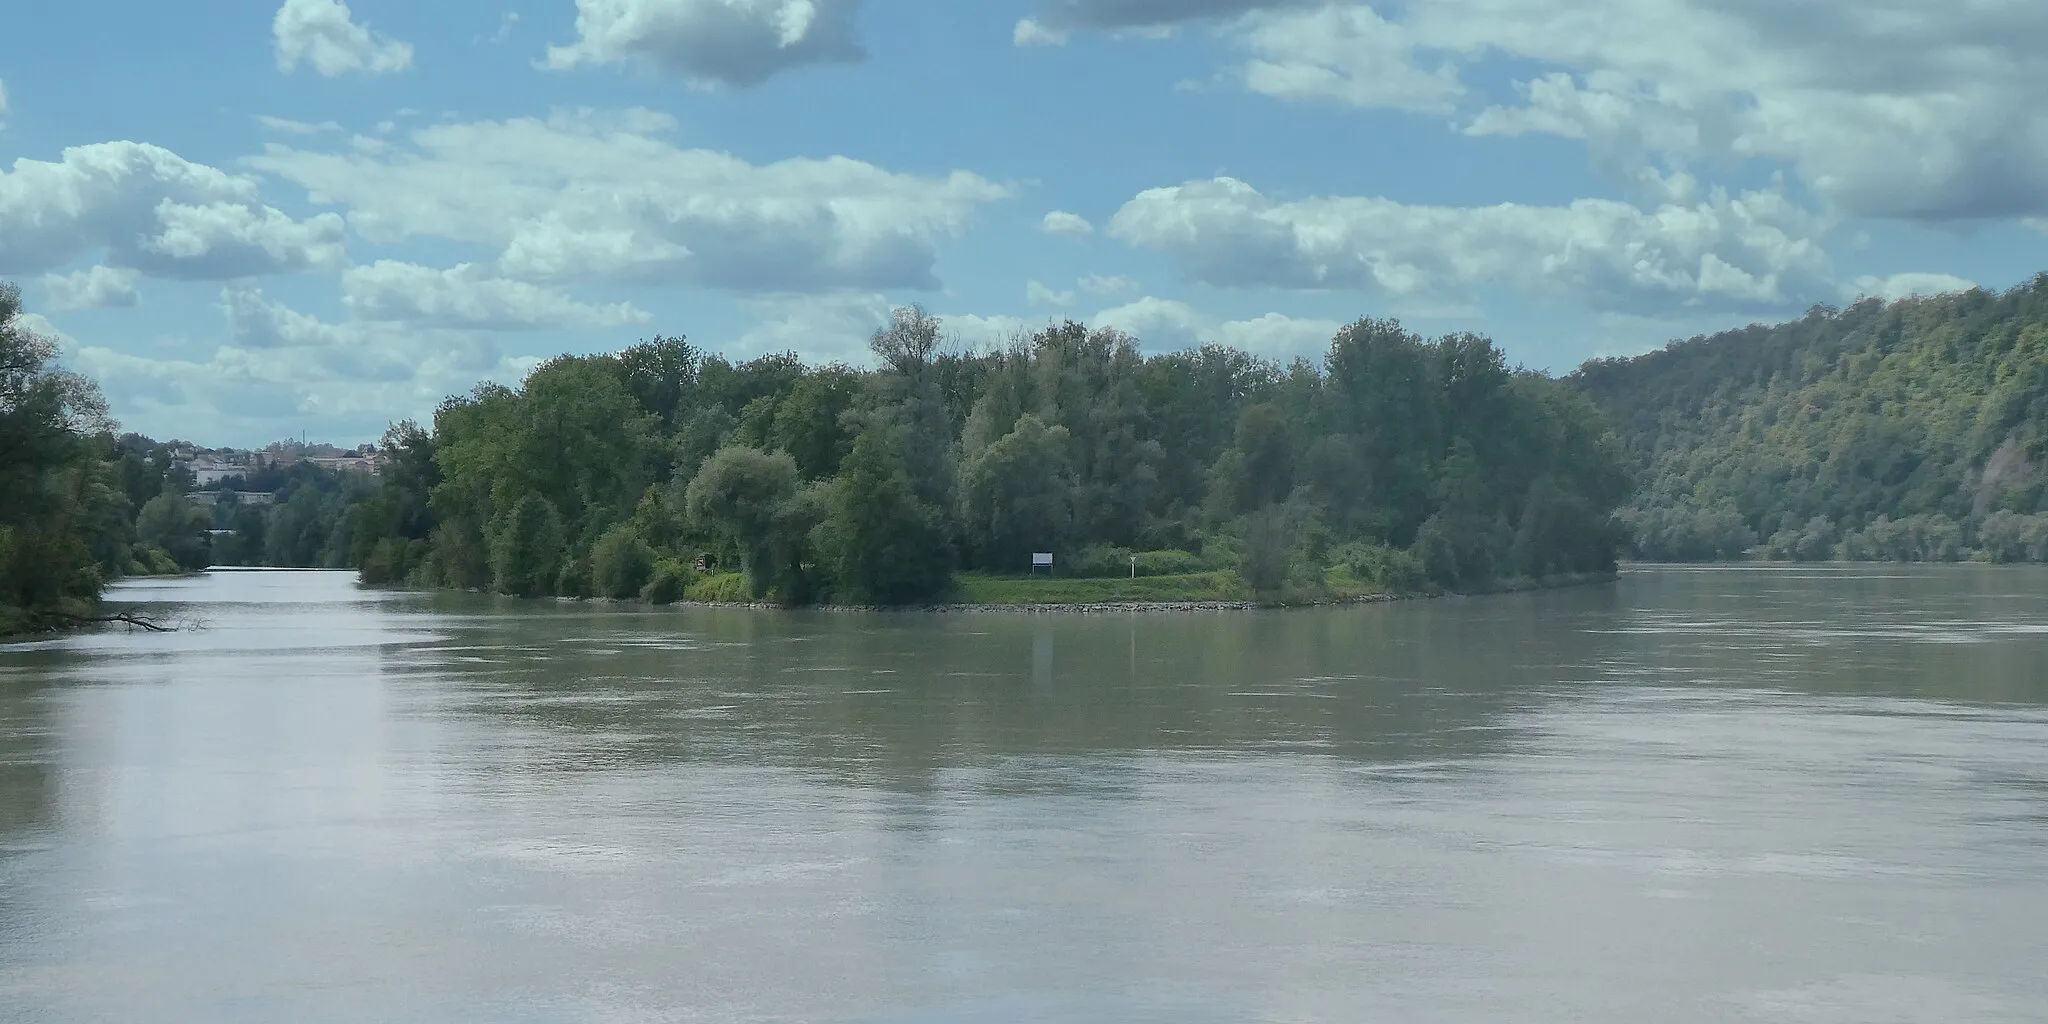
215,472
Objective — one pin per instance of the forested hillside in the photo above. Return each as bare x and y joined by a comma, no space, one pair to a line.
1396,463
1914,431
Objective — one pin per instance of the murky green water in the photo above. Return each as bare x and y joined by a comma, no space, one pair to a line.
1699,795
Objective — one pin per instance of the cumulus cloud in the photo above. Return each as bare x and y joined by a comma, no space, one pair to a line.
1040,295
588,196
145,208
712,42
469,296
1750,251
277,370
1099,284
1905,286
94,288
1113,15
832,327
1030,33
1347,55
1070,225
1168,324
323,33
288,126
1890,109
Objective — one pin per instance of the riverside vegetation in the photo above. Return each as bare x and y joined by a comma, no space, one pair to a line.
1909,431
1395,464
1914,430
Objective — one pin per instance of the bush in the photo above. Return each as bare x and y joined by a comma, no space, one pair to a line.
1097,561
1391,569
620,563
574,579
721,588
1168,563
668,582
526,553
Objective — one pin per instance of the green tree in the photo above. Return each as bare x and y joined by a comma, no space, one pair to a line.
527,549
885,545
174,524
1017,495
738,495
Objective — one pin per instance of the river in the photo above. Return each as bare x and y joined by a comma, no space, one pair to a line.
1699,794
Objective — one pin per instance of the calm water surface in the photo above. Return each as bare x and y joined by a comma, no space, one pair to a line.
1698,795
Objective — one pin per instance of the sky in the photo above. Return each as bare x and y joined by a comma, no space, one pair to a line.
252,220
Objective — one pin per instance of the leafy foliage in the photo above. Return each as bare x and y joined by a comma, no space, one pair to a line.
1893,431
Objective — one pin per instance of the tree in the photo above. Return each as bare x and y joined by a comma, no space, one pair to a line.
172,522
1017,495
526,549
620,563
885,545
738,494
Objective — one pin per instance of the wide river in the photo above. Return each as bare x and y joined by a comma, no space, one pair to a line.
1815,794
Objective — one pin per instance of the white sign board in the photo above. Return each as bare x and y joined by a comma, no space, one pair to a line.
1041,558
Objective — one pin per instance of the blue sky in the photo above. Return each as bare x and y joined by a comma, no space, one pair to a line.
255,219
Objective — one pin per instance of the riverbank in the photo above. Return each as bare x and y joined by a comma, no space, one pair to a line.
1193,592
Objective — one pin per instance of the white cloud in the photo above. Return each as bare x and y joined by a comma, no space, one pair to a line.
1070,225
1168,324
1123,15
588,196
832,327
506,23
1349,55
1751,251
983,333
1098,284
1886,108
712,42
1039,295
3,98
148,209
1031,33
94,288
323,34
1903,286
291,127
468,296
279,371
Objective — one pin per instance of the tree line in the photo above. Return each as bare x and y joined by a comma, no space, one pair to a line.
662,472
1908,431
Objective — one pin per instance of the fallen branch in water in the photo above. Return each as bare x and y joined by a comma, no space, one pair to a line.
128,618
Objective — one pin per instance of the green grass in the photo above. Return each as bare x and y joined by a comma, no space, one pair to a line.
719,588
982,588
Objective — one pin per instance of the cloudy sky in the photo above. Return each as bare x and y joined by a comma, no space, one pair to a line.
252,220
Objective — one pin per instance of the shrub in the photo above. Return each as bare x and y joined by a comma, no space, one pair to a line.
667,583
1391,569
721,588
527,551
620,563
574,579
1168,563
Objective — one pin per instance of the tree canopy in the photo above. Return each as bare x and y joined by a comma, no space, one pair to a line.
1914,430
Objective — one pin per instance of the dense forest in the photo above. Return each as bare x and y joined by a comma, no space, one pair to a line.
1396,463
1909,431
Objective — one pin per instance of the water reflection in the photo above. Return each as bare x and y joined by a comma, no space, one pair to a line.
1700,795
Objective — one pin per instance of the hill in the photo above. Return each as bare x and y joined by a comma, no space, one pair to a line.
1909,431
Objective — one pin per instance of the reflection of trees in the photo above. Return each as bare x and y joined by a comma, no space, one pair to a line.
27,782
895,699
